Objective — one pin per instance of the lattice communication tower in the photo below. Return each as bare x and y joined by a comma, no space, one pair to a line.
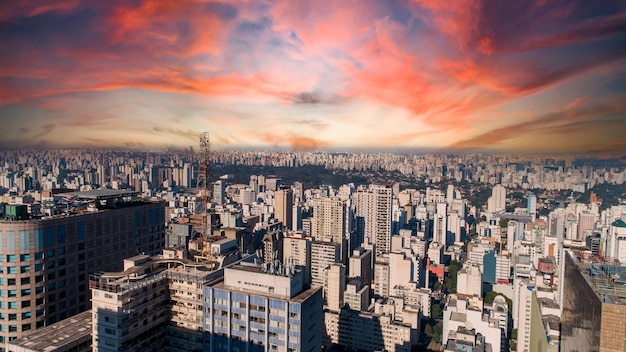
204,172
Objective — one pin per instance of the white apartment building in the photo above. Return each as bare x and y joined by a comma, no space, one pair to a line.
373,216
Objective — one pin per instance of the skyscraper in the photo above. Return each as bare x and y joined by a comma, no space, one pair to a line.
48,259
497,201
531,206
373,216
252,310
329,222
594,313
219,192
323,254
283,206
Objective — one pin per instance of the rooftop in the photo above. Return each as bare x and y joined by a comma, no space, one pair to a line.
49,338
607,278
101,194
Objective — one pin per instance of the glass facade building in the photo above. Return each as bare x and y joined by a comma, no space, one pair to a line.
594,306
45,263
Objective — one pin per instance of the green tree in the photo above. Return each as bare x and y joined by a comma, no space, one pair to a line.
435,310
428,330
489,297
438,331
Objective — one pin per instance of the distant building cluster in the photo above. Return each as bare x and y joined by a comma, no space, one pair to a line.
121,252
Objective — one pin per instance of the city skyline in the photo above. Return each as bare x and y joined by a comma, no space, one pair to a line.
541,76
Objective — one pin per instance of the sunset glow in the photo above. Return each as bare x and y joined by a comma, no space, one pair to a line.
468,75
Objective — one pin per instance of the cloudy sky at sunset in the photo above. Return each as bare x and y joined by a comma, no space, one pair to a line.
529,76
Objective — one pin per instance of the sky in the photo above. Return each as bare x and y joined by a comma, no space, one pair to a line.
463,75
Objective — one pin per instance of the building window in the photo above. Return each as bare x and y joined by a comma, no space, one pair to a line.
11,258
24,240
24,257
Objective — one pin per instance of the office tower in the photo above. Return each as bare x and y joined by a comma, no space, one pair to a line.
335,286
283,206
373,217
323,254
329,222
360,266
440,225
297,251
255,310
531,206
219,192
47,259
497,201
594,315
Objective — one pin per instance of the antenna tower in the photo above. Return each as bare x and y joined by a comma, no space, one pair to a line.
204,172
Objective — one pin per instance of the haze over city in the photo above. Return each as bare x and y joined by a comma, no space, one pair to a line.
538,76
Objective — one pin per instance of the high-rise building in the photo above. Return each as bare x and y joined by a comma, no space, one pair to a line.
440,225
594,313
329,222
497,201
360,266
531,206
373,216
335,286
297,251
253,310
586,225
47,260
323,254
156,303
283,206
219,192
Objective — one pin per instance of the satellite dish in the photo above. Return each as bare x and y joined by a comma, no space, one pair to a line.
469,325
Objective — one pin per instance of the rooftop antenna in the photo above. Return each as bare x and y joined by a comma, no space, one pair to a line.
204,172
